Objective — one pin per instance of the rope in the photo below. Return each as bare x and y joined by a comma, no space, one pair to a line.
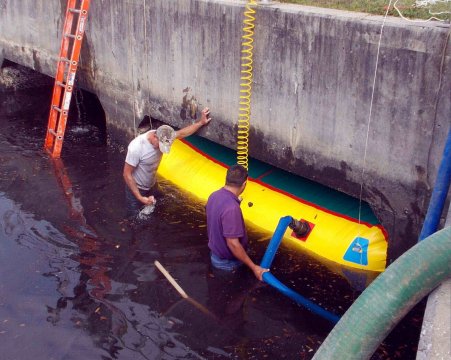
145,50
371,110
246,85
133,73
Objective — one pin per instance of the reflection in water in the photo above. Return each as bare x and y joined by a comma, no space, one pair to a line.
81,274
78,281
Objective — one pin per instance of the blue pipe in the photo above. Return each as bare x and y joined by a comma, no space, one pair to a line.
275,241
439,193
270,279
274,282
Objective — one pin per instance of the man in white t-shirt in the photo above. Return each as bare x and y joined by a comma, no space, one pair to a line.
143,158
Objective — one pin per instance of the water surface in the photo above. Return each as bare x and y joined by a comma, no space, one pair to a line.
79,282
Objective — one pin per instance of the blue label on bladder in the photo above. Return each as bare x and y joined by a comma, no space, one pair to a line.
358,251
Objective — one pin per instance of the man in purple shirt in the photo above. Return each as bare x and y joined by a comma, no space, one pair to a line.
227,237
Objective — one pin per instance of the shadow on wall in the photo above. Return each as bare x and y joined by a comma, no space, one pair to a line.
14,77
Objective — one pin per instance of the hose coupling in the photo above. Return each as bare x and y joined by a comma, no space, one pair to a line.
300,227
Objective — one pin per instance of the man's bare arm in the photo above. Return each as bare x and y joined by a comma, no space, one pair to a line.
131,183
191,129
238,251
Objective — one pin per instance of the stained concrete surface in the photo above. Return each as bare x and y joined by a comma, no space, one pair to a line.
312,87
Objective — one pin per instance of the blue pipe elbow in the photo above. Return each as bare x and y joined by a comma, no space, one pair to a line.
275,241
270,279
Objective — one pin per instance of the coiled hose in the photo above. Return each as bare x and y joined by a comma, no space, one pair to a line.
391,296
246,85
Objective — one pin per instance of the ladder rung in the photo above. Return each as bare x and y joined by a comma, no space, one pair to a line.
70,36
53,132
66,60
59,83
76,11
54,107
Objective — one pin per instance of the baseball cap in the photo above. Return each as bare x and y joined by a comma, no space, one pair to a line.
166,136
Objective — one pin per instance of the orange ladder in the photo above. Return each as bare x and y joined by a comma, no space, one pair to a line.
65,74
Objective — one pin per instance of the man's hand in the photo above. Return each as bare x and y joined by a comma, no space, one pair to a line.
258,272
191,129
147,200
238,251
205,116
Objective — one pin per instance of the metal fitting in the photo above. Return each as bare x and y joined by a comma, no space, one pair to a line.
300,227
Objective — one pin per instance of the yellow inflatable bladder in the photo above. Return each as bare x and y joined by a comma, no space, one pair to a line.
337,235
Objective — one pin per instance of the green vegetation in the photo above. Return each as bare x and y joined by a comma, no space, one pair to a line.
406,7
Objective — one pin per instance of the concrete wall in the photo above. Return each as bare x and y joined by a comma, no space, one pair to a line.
313,76
435,336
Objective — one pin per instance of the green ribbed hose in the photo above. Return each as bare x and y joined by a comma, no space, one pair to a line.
391,296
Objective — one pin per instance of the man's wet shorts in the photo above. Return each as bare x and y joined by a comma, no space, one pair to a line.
225,264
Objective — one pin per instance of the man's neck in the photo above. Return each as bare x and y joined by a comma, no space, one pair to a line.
233,190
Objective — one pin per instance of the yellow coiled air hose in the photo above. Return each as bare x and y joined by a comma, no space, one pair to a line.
246,84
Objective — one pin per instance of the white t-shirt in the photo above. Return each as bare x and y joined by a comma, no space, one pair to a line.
145,159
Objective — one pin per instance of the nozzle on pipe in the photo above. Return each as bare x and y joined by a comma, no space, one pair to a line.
300,227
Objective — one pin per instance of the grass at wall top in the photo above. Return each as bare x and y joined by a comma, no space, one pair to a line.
408,8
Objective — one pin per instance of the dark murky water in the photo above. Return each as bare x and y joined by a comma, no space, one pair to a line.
79,282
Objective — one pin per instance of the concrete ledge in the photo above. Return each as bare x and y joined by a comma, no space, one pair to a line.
435,340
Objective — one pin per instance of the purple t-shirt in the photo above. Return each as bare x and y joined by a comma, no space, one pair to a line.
224,220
